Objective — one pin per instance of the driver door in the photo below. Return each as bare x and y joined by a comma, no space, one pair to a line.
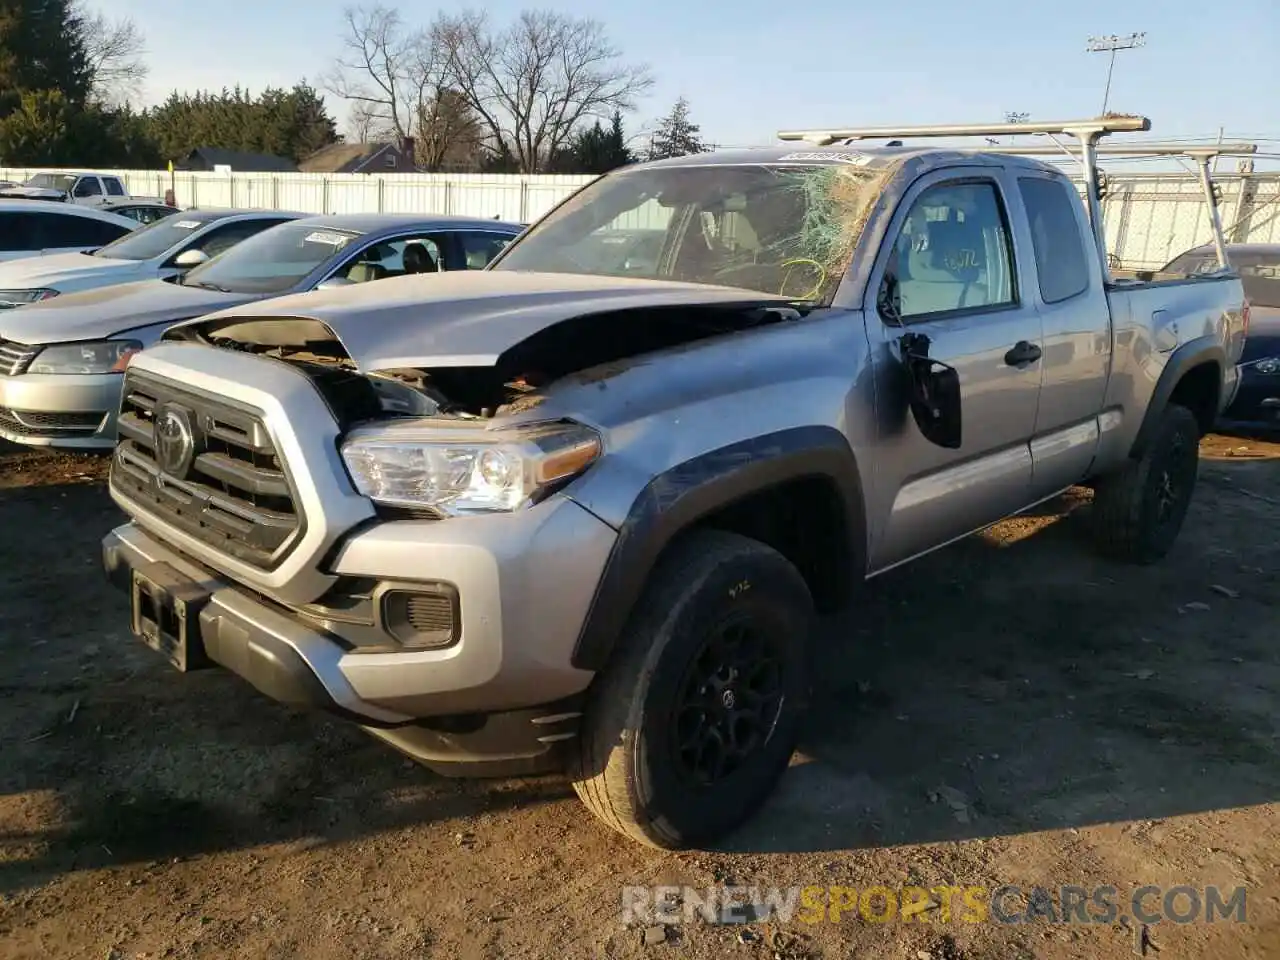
953,271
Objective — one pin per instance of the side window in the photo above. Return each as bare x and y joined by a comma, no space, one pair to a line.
53,231
480,248
114,187
1056,239
16,232
87,187
394,258
221,239
953,253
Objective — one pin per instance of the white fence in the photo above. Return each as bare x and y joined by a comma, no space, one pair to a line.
1150,217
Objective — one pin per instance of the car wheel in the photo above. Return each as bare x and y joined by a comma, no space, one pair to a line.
1139,511
695,719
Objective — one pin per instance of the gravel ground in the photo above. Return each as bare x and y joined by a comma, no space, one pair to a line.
1010,710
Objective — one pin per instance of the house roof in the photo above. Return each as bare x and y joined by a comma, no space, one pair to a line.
343,157
241,160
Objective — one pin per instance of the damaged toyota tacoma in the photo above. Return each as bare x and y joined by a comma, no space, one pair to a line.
580,510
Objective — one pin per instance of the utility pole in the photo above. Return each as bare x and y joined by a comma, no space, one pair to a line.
1016,116
1112,45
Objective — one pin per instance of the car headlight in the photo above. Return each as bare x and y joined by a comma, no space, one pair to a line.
1268,366
18,298
417,463
98,356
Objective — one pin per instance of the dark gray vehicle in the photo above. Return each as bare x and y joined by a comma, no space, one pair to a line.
1258,399
61,359
578,510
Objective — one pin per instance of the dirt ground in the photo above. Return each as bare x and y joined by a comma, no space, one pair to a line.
1008,711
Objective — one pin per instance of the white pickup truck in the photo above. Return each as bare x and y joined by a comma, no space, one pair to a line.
86,188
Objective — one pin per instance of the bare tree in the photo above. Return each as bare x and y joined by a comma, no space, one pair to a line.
450,133
115,49
390,72
533,84
365,126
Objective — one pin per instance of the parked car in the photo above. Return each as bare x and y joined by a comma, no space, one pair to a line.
61,359
31,228
86,188
1258,399
543,516
143,209
160,250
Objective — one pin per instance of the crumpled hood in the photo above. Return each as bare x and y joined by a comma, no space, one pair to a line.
106,311
460,319
49,270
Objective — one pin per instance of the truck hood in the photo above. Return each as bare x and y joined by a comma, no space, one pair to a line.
95,314
33,193
462,319
51,269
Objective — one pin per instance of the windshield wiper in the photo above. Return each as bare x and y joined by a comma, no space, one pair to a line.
205,285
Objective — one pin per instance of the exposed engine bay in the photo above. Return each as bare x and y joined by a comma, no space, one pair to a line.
579,345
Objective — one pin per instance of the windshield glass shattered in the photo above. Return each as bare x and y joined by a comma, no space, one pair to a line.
777,229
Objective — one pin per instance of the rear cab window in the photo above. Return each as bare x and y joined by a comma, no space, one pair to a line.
114,187
1056,239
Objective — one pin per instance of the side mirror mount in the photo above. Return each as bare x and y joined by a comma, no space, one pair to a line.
190,258
934,392
334,283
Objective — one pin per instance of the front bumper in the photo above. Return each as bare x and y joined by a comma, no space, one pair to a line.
70,411
497,695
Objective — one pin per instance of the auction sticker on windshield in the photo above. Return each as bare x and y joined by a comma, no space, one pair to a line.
186,224
333,239
861,159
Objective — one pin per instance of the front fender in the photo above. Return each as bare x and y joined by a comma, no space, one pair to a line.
679,498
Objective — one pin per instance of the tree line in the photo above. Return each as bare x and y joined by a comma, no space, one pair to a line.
547,93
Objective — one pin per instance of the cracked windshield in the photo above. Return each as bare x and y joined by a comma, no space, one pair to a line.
773,229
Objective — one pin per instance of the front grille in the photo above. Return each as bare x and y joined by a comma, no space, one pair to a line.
15,357
28,423
229,490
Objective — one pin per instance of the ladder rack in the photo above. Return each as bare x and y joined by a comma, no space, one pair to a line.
1088,132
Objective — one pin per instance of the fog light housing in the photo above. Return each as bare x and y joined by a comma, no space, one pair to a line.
425,616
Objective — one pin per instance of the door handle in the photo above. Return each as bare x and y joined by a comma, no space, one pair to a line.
1022,353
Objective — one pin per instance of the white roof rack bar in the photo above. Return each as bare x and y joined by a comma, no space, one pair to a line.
1194,150
1099,126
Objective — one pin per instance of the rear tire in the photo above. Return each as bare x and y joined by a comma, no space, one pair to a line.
694,720
1139,510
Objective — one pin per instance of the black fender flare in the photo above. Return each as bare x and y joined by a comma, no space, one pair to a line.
1186,357
678,498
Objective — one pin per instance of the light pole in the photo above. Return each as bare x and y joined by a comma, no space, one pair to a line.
1016,116
1111,45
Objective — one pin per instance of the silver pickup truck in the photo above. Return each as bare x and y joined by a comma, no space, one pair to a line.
579,510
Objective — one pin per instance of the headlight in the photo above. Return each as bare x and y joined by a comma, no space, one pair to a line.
99,356
16,298
1268,366
415,463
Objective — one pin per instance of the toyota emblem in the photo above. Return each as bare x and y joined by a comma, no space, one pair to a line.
175,443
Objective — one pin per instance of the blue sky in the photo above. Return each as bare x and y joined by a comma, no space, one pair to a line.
752,66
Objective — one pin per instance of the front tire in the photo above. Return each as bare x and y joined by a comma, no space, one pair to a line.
1138,511
695,718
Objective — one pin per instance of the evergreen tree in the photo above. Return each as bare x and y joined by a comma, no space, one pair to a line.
42,49
286,123
677,135
596,149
